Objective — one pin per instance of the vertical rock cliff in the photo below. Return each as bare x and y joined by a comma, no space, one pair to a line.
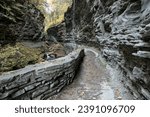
20,20
122,30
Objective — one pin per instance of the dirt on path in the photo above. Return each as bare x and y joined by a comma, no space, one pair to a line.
96,80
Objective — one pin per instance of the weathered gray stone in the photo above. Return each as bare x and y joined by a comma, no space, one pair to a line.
145,93
30,87
4,79
18,93
53,68
147,27
60,88
17,83
6,94
54,84
11,86
39,91
49,94
27,77
38,97
43,82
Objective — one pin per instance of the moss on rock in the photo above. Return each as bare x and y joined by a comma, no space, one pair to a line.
18,56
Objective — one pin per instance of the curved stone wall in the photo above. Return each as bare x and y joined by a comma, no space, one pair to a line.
40,81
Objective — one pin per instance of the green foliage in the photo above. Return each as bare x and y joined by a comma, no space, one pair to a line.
55,17
18,56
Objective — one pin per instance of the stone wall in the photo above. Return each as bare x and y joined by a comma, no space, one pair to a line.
40,81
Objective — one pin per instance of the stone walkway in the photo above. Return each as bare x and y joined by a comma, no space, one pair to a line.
95,81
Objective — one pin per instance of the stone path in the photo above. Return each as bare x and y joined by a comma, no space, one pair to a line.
95,81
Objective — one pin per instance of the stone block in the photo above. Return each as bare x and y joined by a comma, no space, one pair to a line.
30,87
6,94
49,94
54,84
39,91
16,84
145,93
18,93
9,79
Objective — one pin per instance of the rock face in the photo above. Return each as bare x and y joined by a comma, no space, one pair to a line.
20,20
122,30
56,33
79,18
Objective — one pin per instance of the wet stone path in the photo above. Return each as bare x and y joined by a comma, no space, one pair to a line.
95,81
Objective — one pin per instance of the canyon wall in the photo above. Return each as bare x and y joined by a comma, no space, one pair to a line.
122,30
41,81
20,20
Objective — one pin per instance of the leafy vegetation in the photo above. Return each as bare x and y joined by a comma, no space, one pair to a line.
57,16
53,10
17,56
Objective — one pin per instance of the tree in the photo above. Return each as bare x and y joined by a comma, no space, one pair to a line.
57,15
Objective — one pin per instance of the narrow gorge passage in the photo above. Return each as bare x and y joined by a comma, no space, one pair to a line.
33,39
95,80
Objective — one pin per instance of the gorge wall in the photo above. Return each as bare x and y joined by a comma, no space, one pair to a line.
122,30
20,20
40,81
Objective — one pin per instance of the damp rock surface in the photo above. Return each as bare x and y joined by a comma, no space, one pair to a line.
20,20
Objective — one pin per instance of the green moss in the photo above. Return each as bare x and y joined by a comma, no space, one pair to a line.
18,56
